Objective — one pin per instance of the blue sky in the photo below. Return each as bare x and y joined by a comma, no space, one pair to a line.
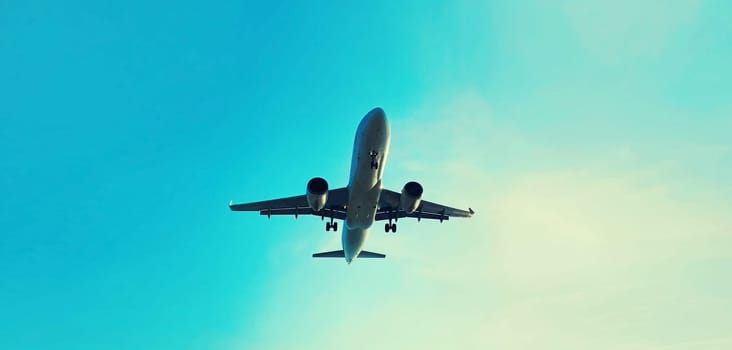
592,138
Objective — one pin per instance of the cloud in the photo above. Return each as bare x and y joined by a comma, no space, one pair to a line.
602,253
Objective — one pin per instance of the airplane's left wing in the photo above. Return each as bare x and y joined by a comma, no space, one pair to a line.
389,209
298,205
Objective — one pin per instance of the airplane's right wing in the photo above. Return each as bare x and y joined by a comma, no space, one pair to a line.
389,209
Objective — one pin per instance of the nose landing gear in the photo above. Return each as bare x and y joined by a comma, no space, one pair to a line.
374,162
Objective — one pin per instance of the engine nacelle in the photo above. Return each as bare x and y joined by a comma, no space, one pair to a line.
411,197
317,193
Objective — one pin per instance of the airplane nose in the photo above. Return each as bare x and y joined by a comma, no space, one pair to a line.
377,117
374,122
377,113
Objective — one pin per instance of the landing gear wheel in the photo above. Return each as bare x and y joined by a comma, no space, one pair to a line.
386,228
335,226
374,162
327,226
393,228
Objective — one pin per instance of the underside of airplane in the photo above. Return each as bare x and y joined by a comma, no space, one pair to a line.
364,200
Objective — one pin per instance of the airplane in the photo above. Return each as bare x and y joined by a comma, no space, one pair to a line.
364,200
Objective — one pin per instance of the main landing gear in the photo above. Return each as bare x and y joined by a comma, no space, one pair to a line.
390,227
331,225
374,162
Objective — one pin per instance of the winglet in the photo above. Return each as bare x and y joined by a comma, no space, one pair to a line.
231,202
471,211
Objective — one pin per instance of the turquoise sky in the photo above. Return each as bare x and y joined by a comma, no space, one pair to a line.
593,139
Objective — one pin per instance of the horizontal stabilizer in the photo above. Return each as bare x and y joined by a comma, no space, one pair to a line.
333,254
339,254
365,254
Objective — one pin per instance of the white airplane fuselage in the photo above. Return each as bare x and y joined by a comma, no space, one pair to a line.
370,150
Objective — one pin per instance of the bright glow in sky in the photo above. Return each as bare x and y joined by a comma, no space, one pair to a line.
593,139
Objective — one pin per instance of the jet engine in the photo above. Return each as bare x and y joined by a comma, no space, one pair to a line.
317,193
411,197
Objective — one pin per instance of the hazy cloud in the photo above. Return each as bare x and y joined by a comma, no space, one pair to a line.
570,256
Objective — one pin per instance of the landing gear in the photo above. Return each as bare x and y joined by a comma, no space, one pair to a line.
331,225
390,227
374,162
